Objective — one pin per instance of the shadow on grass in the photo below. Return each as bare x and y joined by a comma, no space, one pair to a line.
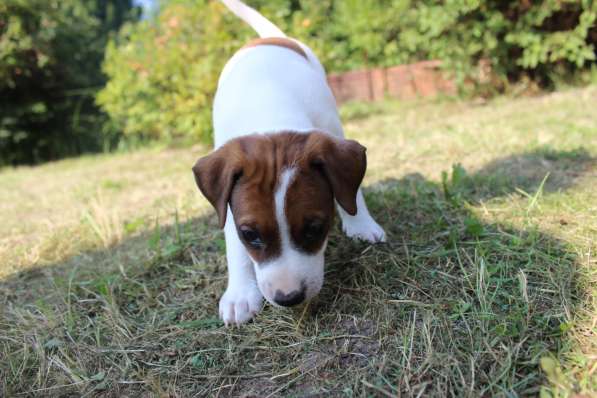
452,305
543,169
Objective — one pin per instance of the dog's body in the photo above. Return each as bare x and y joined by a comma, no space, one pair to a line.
271,88
281,162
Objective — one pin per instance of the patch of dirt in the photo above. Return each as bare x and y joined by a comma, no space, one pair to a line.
359,344
352,343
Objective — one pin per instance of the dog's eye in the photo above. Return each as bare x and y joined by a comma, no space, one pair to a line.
314,230
251,237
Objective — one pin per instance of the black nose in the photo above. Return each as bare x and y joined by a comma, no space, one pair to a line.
290,299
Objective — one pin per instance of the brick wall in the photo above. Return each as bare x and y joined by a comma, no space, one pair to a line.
423,79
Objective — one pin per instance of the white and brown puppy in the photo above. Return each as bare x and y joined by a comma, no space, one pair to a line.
280,164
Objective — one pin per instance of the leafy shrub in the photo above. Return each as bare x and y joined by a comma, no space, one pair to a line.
50,58
163,72
540,39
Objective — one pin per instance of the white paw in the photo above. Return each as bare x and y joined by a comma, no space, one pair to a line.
239,304
365,229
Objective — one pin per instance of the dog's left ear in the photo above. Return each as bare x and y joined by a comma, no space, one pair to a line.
343,163
215,175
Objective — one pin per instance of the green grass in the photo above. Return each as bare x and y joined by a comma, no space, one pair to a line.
111,268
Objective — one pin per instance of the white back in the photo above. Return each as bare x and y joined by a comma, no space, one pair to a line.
268,88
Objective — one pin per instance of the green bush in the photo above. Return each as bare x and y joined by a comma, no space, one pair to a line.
544,39
163,72
50,70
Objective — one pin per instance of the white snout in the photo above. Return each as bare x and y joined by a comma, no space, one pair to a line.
291,279
294,276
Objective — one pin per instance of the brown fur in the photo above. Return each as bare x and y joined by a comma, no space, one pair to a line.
277,41
245,173
309,198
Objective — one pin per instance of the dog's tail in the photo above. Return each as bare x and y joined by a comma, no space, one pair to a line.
258,22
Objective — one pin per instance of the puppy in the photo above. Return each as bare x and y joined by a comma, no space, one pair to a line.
280,166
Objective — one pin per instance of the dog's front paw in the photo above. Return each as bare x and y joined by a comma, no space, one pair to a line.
365,229
239,304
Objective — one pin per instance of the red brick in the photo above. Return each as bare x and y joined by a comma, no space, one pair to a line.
400,82
404,82
378,84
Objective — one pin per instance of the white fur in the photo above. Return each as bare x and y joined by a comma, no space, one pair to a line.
242,299
266,89
361,225
292,266
261,25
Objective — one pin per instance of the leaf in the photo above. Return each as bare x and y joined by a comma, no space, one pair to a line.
458,174
473,227
98,376
198,361
155,238
53,343
549,366
221,244
207,323
171,249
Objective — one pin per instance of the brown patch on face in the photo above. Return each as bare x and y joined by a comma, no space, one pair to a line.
309,209
252,199
252,205
245,173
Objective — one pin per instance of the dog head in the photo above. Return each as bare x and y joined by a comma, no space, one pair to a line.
281,190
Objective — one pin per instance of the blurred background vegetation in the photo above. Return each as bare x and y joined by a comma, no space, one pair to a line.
80,76
50,71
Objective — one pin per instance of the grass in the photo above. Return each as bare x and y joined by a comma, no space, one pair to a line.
111,268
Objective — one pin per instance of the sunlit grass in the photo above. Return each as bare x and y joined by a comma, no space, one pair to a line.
111,268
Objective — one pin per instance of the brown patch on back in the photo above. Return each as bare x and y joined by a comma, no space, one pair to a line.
277,41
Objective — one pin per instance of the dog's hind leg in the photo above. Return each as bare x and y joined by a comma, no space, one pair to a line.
361,225
242,299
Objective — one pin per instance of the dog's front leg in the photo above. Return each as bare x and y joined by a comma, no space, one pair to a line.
242,299
361,225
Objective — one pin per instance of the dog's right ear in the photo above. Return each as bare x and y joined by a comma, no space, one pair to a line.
215,175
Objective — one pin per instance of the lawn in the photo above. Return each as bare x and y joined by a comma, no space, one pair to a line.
111,268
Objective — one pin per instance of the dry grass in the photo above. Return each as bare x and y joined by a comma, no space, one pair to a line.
111,268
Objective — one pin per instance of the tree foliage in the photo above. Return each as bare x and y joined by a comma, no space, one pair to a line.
163,72
50,69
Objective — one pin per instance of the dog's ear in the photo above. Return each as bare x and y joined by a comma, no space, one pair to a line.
342,162
215,175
